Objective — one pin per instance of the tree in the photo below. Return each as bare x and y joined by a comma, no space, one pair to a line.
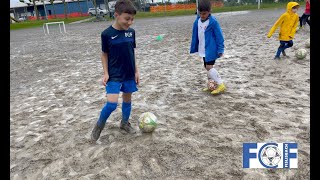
87,4
14,19
54,11
34,5
95,7
65,9
35,8
79,6
45,10
106,4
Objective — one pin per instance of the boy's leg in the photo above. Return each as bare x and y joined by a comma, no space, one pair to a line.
284,45
207,66
128,88
280,49
213,74
106,111
113,89
307,19
126,107
302,20
110,106
288,44
300,23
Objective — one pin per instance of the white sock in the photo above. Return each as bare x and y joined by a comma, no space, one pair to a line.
213,74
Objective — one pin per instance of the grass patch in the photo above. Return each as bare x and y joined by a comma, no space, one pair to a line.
39,23
31,24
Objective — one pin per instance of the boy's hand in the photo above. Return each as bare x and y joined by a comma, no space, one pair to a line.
105,79
137,78
268,36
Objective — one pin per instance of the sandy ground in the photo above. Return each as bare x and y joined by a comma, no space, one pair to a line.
56,97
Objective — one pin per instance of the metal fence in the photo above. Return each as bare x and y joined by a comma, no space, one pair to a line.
164,6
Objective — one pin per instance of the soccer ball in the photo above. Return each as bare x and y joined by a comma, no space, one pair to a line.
271,155
147,122
301,53
212,85
307,43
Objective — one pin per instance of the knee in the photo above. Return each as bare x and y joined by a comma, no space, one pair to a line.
290,44
282,45
208,67
111,106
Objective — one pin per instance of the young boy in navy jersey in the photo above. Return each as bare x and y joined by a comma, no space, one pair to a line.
120,69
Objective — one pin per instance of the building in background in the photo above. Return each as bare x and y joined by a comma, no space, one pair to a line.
22,11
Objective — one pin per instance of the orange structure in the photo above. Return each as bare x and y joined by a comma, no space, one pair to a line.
173,7
70,15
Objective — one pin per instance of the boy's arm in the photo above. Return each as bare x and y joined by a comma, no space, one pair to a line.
276,25
219,38
137,73
294,29
104,60
194,38
136,68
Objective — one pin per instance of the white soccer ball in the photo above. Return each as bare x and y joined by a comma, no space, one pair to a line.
301,53
307,43
148,122
271,155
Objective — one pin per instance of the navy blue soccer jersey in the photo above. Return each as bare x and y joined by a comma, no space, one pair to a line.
119,45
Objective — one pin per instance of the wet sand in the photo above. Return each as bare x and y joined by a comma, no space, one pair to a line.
56,97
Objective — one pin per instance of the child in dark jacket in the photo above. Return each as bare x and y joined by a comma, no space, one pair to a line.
306,15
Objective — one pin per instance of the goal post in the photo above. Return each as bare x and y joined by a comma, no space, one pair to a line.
46,27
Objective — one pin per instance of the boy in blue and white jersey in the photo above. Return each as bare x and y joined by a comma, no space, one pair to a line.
208,41
120,69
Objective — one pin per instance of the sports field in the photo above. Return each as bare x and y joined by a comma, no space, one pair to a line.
56,97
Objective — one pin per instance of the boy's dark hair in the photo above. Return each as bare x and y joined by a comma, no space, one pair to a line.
204,5
125,6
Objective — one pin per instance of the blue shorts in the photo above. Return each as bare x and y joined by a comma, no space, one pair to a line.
114,87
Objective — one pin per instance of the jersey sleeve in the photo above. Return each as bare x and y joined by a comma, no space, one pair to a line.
104,43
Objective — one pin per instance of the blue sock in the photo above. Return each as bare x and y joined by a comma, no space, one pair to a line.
105,113
126,110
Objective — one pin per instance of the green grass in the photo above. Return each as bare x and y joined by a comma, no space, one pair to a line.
30,24
39,23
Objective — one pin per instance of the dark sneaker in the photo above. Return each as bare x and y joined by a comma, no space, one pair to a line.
95,134
284,53
127,127
276,58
